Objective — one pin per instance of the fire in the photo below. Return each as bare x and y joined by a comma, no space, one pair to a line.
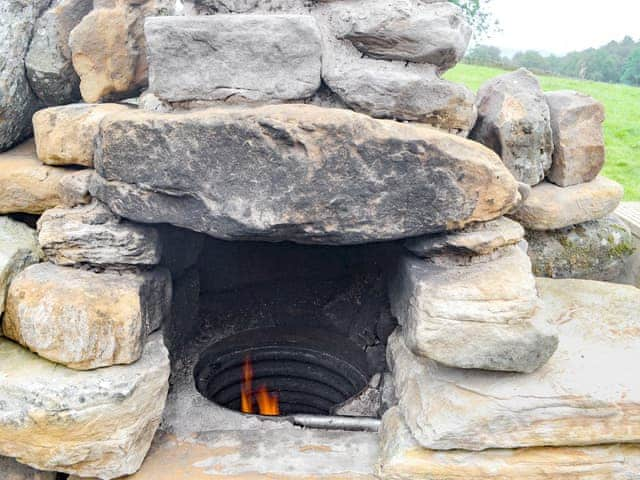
268,403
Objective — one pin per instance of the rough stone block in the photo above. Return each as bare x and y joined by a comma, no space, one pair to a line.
550,207
514,121
12,470
66,135
26,185
478,315
93,424
596,250
309,174
587,394
92,234
576,121
403,459
86,320
233,57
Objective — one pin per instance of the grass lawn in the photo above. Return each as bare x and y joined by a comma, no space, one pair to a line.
622,127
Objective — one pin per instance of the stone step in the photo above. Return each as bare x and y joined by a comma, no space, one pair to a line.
98,423
403,459
587,394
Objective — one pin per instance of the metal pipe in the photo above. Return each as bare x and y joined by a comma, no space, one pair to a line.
354,424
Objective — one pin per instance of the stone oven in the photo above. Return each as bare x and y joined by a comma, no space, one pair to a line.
274,243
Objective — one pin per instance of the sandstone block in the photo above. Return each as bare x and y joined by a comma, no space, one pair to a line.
65,135
108,49
254,57
596,250
93,424
514,121
86,320
407,30
550,207
309,174
403,459
18,249
48,61
93,235
476,239
576,121
12,470
586,394
473,316
17,101
26,185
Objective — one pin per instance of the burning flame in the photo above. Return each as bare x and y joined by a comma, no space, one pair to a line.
268,403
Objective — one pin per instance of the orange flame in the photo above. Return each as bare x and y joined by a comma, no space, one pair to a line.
268,403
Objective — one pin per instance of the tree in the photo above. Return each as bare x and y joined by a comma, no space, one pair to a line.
631,73
484,55
478,15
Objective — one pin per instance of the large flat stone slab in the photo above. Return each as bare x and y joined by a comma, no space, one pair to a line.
98,423
587,394
550,207
83,319
477,315
92,234
18,250
403,459
233,57
26,185
296,172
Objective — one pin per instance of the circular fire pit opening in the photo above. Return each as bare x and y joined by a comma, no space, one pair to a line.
304,371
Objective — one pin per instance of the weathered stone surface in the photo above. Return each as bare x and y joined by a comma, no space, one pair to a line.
83,319
586,394
389,91
594,250
407,30
97,423
181,248
48,61
578,137
250,6
476,239
316,175
514,121
550,207
12,470
26,185
17,101
403,459
18,249
473,316
109,49
257,57
74,188
66,135
93,235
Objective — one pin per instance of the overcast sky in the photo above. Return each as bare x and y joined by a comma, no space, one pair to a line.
561,26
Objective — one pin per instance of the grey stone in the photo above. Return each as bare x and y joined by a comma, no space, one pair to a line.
18,249
587,394
296,172
94,424
476,239
366,403
250,6
86,320
92,234
183,325
596,250
407,30
48,62
74,188
576,121
481,315
514,121
181,248
17,101
233,57
402,458
550,207
12,470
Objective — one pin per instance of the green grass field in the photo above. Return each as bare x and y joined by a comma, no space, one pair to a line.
622,127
